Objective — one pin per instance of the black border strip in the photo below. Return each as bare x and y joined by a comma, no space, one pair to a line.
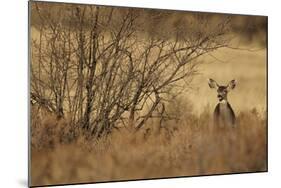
28,94
132,180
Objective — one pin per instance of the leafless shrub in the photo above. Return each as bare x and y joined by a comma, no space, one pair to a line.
101,68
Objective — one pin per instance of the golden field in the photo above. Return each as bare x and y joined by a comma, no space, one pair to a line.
190,147
122,94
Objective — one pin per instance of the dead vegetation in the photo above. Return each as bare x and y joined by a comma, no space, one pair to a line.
102,67
188,147
107,103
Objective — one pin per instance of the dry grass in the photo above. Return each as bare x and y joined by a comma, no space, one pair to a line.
186,148
189,146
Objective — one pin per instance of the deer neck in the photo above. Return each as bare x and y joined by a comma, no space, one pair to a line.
224,101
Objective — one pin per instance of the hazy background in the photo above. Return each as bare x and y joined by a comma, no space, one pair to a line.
246,62
248,68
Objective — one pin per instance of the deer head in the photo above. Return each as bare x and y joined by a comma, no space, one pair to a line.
222,90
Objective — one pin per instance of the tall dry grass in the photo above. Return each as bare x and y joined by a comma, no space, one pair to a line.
188,147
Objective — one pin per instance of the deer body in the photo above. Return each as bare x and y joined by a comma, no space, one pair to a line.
223,113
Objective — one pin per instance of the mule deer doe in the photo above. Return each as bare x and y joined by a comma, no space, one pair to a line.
223,114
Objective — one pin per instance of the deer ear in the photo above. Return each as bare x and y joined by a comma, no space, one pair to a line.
231,85
213,84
